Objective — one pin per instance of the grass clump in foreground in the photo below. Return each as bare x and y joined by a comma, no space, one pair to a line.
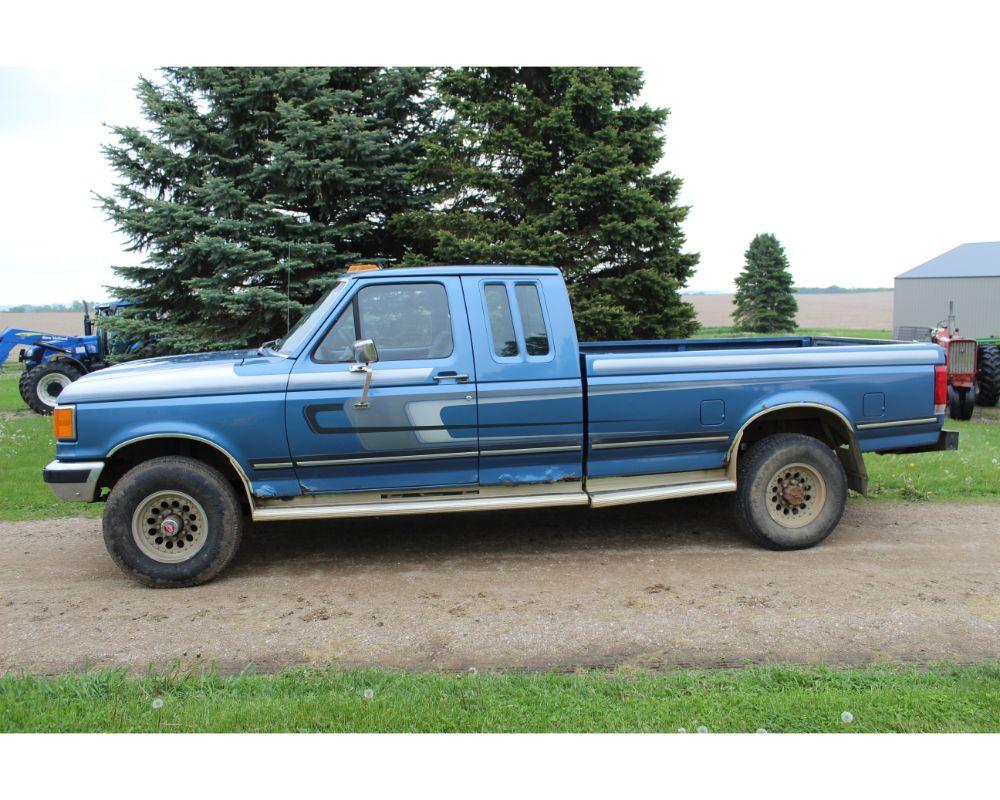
778,699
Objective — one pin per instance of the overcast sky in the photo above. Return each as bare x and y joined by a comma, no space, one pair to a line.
866,142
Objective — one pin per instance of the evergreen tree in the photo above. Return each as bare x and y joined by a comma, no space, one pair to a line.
539,165
764,300
253,182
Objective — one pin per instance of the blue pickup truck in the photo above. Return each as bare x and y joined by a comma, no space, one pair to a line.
428,390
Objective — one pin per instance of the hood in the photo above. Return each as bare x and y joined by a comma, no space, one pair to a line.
197,374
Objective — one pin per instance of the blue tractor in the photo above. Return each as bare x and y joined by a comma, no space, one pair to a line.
52,362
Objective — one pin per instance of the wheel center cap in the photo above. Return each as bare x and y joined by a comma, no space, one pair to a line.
170,526
793,494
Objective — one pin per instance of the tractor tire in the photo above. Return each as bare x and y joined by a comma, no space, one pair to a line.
172,522
961,402
989,375
791,492
43,385
22,385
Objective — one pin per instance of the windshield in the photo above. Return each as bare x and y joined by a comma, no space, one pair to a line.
302,329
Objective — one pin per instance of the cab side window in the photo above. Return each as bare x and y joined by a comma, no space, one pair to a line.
407,321
517,321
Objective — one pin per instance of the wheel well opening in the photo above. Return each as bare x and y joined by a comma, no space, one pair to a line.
823,425
819,423
129,456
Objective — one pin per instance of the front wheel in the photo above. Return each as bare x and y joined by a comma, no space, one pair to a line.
791,493
172,522
961,402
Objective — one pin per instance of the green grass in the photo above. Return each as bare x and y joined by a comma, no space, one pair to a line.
26,445
10,397
970,473
777,698
857,333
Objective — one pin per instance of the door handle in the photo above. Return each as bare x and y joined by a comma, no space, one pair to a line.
450,374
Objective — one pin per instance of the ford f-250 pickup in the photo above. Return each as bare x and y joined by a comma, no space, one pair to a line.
427,390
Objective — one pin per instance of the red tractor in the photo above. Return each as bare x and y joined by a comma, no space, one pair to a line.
973,369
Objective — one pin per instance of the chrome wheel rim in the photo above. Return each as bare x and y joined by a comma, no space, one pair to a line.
169,526
796,494
50,387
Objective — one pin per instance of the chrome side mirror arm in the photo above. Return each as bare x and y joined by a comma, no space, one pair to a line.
365,353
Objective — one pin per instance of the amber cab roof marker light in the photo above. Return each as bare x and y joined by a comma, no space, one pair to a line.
362,268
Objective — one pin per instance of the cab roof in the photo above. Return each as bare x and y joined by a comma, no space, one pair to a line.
471,269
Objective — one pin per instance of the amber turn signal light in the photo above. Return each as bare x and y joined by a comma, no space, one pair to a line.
362,267
64,423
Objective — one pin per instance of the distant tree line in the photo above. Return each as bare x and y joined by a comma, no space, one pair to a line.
76,305
248,186
836,290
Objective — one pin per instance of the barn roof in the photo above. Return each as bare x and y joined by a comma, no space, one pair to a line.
974,260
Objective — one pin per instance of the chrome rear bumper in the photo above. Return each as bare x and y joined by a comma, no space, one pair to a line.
73,481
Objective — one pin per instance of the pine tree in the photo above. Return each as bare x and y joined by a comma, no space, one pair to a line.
764,300
555,166
252,182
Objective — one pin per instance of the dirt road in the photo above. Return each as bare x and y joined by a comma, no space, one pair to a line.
660,584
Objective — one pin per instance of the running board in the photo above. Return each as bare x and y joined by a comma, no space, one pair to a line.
624,496
436,506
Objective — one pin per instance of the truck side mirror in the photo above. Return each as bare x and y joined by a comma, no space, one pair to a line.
365,351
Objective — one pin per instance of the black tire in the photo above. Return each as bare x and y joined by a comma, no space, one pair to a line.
961,402
989,375
22,385
762,465
218,503
954,403
44,383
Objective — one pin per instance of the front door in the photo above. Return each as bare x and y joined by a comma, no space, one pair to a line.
418,429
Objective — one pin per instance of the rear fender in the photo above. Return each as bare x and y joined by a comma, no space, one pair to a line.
832,417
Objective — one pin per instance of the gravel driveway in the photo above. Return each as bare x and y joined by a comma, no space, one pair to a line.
659,584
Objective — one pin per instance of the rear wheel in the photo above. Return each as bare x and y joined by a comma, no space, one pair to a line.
791,493
989,375
42,386
172,522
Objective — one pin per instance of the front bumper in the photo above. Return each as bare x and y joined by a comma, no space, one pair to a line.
73,481
947,440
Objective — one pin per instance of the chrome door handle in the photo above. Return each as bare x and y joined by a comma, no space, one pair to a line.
449,375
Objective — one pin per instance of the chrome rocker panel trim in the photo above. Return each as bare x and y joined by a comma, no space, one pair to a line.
417,506
628,496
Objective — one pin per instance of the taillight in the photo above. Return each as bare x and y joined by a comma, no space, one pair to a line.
940,386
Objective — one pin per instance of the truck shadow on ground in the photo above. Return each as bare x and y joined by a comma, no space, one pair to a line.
416,539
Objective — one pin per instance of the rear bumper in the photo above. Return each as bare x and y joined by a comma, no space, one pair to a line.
947,440
73,481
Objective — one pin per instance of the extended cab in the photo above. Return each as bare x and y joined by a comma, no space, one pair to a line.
426,390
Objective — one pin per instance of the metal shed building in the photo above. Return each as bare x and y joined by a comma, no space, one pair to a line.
968,276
